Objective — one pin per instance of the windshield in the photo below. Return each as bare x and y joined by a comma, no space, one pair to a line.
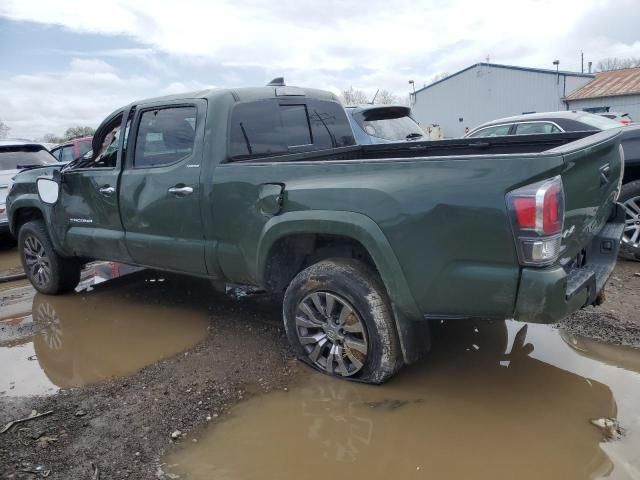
390,123
597,121
19,156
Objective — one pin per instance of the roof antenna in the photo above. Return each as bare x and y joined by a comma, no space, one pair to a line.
374,98
276,82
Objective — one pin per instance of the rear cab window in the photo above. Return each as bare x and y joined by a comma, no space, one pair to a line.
277,127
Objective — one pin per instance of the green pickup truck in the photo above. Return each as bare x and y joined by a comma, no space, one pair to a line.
266,186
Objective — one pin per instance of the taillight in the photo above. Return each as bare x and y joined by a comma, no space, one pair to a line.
537,216
625,121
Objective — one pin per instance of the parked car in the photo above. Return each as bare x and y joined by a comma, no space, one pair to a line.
623,118
72,150
568,121
267,187
373,124
15,155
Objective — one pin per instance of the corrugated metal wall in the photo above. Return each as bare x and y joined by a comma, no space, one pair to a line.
624,104
484,93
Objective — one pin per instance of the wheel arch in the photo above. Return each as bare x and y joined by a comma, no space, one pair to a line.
23,214
360,231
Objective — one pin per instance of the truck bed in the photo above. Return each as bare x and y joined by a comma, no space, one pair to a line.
515,144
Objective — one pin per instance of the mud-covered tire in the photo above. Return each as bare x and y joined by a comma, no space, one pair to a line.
358,286
63,273
630,192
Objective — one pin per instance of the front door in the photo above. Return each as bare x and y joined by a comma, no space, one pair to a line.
160,187
88,209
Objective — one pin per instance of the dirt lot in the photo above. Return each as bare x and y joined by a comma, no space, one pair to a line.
123,425
113,416
617,320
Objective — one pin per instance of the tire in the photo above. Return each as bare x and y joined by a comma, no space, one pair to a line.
630,198
47,271
338,319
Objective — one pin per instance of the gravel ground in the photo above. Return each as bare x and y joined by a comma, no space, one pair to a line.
617,320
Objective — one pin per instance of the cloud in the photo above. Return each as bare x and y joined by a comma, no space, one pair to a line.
33,105
331,44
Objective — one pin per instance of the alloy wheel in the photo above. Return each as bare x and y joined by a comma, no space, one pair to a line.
631,235
331,333
38,264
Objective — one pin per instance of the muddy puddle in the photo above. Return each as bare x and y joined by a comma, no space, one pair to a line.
493,400
119,321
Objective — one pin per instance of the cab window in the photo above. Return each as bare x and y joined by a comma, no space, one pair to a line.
106,156
165,136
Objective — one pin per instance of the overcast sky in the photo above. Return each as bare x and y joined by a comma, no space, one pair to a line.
67,63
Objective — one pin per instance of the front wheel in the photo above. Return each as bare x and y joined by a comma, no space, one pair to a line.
630,200
338,319
47,271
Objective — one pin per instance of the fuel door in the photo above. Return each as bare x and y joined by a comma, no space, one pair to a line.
271,198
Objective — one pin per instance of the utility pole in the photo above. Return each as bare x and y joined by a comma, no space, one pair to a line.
582,61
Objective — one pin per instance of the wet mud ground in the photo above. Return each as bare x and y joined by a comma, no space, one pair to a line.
150,376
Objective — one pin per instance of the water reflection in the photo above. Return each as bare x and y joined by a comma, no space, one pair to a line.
483,405
107,329
114,330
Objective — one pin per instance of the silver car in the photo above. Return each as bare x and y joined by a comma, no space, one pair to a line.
16,155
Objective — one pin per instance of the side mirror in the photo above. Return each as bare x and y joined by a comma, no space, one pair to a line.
48,190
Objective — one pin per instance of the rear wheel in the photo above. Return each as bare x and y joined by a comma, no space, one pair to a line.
630,200
338,319
47,271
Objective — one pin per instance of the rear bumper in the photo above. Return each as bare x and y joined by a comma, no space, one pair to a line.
547,295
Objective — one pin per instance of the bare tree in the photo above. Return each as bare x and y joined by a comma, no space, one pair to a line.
438,76
52,138
385,97
4,129
615,63
353,97
74,132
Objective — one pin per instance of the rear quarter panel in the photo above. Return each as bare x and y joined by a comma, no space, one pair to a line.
444,218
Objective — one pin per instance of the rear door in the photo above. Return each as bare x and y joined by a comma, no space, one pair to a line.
88,209
160,186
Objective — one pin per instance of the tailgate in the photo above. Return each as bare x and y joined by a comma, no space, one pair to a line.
591,180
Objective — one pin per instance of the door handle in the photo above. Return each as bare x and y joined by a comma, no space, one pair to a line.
181,191
107,190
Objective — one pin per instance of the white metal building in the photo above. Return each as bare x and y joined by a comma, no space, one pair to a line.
486,91
613,91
